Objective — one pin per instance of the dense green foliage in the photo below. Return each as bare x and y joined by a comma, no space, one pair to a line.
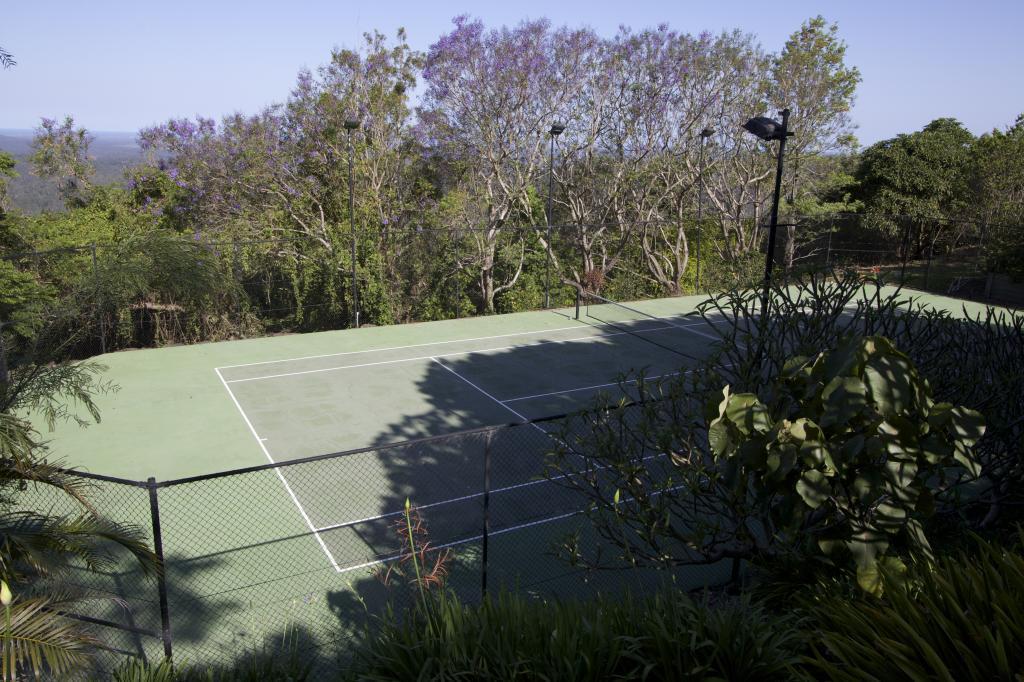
449,202
668,636
847,453
665,490
41,547
960,618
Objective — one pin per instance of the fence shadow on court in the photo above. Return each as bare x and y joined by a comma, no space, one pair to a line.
491,481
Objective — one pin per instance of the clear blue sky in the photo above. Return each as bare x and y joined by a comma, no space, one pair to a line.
123,65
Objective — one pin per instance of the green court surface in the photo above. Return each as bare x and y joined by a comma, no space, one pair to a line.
186,410
247,555
250,555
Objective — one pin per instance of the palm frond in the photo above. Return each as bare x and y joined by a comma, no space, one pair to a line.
37,544
34,637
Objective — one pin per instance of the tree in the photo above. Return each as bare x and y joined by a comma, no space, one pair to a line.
7,173
491,98
61,152
996,179
38,547
914,181
810,77
7,59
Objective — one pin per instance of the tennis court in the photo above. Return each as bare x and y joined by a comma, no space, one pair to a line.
414,409
319,439
310,405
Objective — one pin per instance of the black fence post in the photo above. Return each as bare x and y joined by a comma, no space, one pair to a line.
158,549
236,275
458,278
828,245
697,286
99,307
928,265
487,514
905,249
579,295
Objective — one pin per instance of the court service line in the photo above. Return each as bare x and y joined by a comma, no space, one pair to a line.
443,355
486,393
277,471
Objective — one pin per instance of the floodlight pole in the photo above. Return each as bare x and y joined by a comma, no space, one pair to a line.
704,135
351,125
556,130
769,263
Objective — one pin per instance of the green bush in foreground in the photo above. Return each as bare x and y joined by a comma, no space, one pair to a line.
668,636
286,664
961,618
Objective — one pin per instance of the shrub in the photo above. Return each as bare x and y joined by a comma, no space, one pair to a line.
959,618
668,636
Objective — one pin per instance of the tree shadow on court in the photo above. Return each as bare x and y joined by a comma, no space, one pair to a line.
445,476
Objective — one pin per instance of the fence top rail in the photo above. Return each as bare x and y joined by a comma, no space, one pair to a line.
346,453
305,460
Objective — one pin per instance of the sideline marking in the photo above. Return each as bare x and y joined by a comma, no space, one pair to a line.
277,470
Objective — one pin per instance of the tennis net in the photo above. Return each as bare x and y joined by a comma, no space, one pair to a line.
666,333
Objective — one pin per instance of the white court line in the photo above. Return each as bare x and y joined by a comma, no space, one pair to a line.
486,393
277,470
494,398
587,388
449,355
455,543
463,541
453,500
411,345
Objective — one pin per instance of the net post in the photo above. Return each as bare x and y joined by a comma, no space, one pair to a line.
578,296
161,577
487,515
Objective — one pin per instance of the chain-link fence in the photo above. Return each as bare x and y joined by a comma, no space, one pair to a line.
302,553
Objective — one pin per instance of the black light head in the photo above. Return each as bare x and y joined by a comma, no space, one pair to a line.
764,128
556,129
351,124
707,132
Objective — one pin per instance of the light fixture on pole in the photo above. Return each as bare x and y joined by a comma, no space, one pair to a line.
704,135
352,125
768,129
556,130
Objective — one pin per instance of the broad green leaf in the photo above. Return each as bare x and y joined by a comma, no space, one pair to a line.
968,425
813,488
869,578
890,515
867,486
748,414
890,382
844,398
967,459
867,543
719,439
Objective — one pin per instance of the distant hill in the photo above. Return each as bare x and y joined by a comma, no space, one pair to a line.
112,152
